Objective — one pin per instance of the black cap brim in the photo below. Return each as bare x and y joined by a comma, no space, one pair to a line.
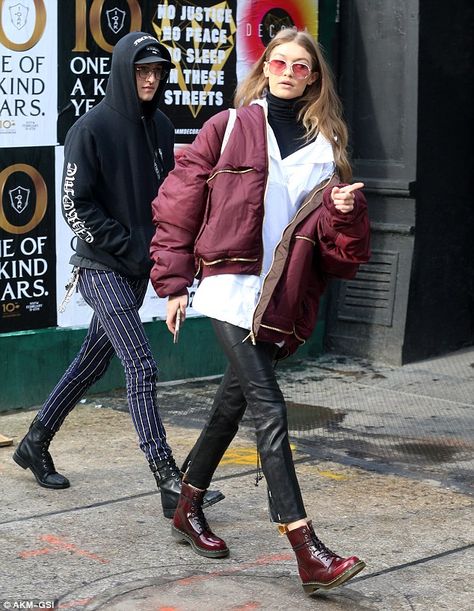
152,59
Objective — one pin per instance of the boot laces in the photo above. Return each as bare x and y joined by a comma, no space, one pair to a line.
170,467
47,459
198,513
322,551
174,471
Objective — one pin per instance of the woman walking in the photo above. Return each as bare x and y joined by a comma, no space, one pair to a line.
259,209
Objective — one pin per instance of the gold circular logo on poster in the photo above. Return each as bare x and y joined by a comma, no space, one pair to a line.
40,24
41,198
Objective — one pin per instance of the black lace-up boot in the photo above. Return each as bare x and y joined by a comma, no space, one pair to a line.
33,453
318,566
168,479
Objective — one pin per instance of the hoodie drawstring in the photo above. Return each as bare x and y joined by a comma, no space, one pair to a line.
153,146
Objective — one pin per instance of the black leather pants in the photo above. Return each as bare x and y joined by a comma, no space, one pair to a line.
249,381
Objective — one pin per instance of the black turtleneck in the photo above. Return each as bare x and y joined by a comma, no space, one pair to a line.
282,116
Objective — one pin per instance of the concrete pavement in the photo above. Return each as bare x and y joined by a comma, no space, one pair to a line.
384,458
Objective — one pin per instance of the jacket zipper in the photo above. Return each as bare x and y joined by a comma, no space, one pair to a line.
300,339
303,237
277,329
227,259
212,176
252,333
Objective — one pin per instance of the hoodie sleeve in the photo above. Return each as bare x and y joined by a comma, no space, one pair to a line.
178,211
344,238
81,210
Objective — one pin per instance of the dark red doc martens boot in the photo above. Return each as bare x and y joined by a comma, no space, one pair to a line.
168,480
319,567
190,525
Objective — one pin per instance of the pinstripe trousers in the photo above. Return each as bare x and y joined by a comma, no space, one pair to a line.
115,327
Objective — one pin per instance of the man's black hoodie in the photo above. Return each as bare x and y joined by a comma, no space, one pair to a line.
115,158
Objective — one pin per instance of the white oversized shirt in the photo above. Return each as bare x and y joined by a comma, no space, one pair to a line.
233,298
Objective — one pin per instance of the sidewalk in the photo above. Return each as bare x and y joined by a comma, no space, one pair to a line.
384,458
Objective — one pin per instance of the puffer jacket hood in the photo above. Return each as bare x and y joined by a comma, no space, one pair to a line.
121,86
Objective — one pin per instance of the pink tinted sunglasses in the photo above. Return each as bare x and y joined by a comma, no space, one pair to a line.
298,69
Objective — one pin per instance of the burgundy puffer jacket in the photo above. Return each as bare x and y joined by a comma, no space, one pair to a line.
209,214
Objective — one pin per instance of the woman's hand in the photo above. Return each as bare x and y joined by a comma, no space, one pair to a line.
174,304
343,197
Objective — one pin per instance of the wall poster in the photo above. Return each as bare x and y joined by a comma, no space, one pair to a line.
27,244
55,59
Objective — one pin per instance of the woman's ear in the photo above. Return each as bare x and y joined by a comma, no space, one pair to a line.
313,78
266,71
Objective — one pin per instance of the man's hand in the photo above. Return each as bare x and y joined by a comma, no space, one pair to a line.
343,197
175,304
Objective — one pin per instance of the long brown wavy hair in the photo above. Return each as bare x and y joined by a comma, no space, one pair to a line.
321,108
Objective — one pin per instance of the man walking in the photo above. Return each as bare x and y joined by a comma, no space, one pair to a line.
115,158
